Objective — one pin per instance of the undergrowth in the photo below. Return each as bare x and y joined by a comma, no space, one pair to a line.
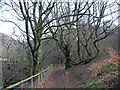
106,70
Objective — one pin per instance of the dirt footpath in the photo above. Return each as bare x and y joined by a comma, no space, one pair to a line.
71,78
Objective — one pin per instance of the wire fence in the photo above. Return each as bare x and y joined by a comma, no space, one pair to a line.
32,80
36,79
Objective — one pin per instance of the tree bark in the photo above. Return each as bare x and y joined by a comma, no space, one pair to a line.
68,61
36,62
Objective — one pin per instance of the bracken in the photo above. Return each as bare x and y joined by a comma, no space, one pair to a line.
96,68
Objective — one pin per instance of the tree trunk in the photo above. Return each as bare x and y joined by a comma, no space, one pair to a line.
36,63
68,62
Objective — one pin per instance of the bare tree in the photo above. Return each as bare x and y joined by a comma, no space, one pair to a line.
63,32
16,63
95,29
67,23
33,15
81,29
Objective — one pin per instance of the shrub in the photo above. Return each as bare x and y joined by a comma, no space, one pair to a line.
107,69
108,65
92,84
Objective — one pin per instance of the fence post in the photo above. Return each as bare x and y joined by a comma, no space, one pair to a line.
32,83
44,74
21,86
39,79
41,76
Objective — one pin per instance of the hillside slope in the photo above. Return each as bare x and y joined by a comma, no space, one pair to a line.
85,75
